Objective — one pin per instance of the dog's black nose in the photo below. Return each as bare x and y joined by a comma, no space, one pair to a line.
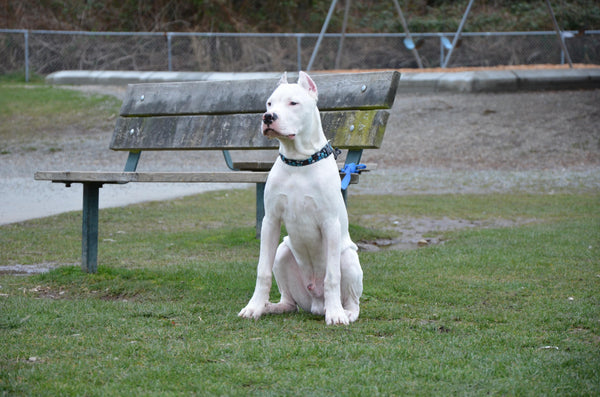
269,118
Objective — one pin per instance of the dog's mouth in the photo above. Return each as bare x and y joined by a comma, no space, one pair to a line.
271,133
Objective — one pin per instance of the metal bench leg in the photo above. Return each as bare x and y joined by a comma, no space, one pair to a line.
260,206
345,197
89,235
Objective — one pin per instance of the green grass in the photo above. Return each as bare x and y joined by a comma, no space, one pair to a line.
31,113
505,311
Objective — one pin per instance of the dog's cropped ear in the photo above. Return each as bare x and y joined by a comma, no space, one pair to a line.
308,84
283,79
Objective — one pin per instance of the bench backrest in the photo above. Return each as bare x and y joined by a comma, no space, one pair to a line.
226,115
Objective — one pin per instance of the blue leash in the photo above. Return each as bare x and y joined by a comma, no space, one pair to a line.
350,169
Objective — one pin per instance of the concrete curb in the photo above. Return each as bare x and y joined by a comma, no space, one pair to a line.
118,77
501,81
475,81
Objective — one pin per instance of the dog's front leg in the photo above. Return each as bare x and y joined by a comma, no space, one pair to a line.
334,312
270,232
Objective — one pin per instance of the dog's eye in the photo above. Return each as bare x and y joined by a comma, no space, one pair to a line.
292,103
268,103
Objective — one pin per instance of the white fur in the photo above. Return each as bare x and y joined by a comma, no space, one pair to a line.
316,266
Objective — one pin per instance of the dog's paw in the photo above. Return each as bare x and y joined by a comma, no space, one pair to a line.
281,307
336,317
253,310
352,315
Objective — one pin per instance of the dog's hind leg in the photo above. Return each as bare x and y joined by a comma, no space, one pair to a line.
288,278
351,283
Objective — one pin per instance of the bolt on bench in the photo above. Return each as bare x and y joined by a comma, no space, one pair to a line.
226,115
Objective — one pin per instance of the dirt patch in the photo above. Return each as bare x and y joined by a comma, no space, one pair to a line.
421,232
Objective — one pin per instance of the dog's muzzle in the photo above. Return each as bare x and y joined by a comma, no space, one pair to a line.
269,118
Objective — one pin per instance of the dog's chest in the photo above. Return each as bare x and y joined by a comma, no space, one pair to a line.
299,209
304,197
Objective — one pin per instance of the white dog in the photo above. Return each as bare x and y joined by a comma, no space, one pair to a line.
316,266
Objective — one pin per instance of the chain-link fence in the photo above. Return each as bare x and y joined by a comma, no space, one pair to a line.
44,52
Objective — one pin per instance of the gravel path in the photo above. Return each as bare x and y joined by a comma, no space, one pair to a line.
435,143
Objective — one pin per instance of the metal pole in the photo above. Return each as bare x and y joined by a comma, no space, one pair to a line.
323,30
299,51
458,32
89,232
560,37
441,51
344,25
27,56
405,26
169,55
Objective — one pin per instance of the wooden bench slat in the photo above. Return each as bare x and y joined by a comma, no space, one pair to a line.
345,130
253,165
267,165
372,90
69,177
176,177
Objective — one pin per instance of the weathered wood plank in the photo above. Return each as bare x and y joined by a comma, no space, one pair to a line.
373,90
190,132
267,165
155,177
346,130
127,177
253,165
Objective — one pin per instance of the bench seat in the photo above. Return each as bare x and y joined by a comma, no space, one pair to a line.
70,177
167,177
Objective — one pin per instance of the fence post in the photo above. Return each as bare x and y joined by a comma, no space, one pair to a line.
169,56
561,40
441,52
299,51
26,56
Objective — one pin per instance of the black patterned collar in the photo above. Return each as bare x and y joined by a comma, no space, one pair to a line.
320,155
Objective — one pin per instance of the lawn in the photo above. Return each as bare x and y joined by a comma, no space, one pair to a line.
501,311
34,115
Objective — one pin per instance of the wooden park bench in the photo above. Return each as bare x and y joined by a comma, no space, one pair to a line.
225,115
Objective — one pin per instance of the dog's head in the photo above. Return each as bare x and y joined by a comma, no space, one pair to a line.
291,109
